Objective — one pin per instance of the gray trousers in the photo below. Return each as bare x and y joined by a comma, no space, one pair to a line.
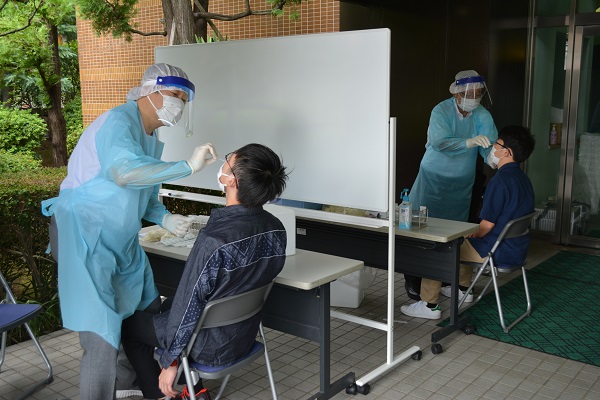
98,369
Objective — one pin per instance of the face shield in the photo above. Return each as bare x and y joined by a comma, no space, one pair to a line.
469,91
163,76
183,84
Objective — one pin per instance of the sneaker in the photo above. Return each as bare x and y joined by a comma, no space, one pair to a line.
447,291
420,310
123,394
201,395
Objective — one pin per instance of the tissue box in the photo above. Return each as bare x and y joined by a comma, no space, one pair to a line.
288,219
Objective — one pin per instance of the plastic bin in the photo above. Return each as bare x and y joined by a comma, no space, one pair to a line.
288,218
349,290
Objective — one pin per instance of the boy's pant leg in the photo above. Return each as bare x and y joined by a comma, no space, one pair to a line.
469,254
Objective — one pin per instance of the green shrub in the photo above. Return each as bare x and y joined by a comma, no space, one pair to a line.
24,240
21,131
189,207
74,119
10,162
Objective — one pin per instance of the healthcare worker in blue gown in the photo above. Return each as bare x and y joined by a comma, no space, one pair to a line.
112,184
460,129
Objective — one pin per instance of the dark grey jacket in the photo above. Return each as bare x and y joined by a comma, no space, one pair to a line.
240,249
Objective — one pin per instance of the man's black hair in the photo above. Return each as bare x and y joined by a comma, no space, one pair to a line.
519,140
261,177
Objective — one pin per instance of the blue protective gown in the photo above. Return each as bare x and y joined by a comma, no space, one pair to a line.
447,172
112,184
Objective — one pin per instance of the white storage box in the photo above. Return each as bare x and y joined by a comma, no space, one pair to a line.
349,290
545,220
288,218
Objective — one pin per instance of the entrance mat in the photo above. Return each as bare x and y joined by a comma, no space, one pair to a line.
564,320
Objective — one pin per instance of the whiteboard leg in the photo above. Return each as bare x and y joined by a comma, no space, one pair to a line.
385,368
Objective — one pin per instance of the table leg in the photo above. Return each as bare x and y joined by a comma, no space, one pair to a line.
306,314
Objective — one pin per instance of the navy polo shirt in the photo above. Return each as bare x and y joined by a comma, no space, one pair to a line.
509,195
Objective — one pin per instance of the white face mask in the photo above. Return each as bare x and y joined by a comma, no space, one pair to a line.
469,105
171,111
492,160
219,175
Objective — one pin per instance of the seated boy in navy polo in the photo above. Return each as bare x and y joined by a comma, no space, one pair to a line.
509,195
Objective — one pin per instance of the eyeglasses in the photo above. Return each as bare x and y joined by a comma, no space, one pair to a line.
504,147
226,160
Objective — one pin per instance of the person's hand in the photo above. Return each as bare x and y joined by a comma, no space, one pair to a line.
201,157
480,140
176,224
166,380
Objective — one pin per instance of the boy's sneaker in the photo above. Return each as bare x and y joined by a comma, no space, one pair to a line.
201,395
420,310
447,291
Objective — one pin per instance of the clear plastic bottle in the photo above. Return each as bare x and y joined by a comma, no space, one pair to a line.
405,212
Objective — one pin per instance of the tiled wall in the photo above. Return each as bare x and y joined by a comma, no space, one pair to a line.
110,67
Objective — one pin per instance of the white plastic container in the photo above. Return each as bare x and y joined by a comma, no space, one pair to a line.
288,218
349,290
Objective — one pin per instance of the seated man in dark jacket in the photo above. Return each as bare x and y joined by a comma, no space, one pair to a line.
509,195
219,265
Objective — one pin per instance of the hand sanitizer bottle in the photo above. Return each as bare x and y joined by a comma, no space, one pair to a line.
405,217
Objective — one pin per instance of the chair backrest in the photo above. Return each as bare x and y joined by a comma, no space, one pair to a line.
230,310
514,228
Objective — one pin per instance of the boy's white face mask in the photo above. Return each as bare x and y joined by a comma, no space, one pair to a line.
219,175
492,160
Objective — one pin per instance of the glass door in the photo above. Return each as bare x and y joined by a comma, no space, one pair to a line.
580,216
548,125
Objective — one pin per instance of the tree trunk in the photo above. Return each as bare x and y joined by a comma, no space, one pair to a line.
179,12
56,119
200,25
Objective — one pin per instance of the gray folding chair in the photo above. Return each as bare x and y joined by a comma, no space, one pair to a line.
221,312
514,228
13,315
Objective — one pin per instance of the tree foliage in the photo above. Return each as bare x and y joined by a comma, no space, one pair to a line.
35,36
26,57
190,19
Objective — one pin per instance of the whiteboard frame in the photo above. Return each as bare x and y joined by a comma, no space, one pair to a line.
329,123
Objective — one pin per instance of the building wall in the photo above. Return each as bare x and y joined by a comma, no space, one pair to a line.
109,67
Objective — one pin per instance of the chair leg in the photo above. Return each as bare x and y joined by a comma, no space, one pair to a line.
49,377
222,387
480,271
268,362
188,377
522,316
2,348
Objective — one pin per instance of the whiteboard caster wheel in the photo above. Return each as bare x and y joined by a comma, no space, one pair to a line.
436,348
365,389
351,389
469,329
417,356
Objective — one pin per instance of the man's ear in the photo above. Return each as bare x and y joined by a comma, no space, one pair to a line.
232,182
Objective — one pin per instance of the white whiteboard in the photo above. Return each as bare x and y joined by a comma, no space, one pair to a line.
320,101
